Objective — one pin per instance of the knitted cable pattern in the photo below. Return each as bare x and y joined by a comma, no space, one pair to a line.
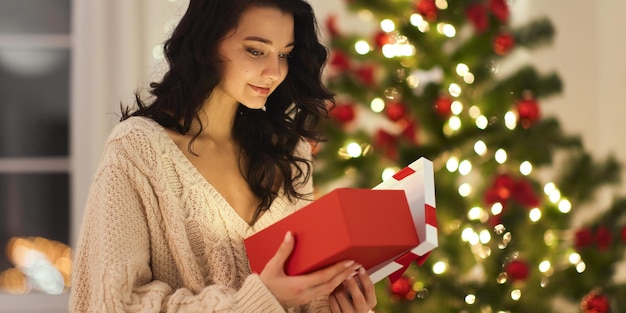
157,237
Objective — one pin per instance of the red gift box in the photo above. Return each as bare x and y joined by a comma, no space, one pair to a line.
367,226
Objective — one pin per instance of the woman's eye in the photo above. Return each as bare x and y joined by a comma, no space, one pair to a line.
255,52
284,56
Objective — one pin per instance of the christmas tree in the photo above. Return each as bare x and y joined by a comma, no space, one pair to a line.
429,82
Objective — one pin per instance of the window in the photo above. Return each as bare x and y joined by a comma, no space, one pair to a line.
35,55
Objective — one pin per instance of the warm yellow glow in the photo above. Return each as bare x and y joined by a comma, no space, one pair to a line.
465,167
475,213
454,90
467,234
474,111
549,188
354,150
501,156
565,206
455,123
544,266
157,52
441,4
480,147
581,267
462,69
440,267
377,105
510,120
416,20
453,164
362,47
456,107
469,78
516,294
465,190
387,25
389,172
574,258
482,122
534,215
485,237
470,299
526,168
496,208
555,196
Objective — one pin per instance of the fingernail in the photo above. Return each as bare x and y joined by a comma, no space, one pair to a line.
348,264
288,236
351,275
362,271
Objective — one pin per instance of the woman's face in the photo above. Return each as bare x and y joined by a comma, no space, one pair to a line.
255,56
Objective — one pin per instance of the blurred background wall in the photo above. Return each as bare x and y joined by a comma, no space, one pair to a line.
112,47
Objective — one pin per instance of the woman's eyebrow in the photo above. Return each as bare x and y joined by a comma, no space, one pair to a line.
266,41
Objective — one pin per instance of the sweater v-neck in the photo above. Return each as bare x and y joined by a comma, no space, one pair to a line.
215,195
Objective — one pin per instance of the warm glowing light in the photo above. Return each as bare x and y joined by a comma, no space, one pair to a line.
475,213
467,234
455,123
555,196
485,237
453,164
534,215
574,258
581,267
565,206
496,208
462,69
510,120
469,78
465,167
470,299
501,156
362,47
456,107
440,267
387,25
516,294
448,30
377,105
389,172
544,266
549,188
416,20
441,4
526,168
474,111
480,147
482,122
354,150
465,190
454,90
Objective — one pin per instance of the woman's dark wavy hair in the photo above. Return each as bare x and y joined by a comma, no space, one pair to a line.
295,110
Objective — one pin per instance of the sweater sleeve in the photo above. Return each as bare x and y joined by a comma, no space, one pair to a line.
112,268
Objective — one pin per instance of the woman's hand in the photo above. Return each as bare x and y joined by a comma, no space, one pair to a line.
292,291
354,296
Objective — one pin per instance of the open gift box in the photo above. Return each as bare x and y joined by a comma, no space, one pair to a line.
383,229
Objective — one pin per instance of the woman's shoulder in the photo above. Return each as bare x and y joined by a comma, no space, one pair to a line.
138,139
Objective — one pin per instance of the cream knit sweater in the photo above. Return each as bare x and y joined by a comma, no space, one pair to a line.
157,237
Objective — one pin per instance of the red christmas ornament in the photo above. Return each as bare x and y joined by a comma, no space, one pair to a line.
427,9
603,238
524,194
595,302
443,106
583,238
339,61
500,10
503,43
528,111
366,74
517,270
402,289
331,25
343,112
387,142
477,14
395,111
382,38
500,190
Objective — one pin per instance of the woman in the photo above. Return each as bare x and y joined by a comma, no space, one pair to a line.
220,153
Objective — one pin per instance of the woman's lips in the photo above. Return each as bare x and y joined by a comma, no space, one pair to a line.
262,90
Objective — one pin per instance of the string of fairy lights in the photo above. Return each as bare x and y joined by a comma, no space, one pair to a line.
479,237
